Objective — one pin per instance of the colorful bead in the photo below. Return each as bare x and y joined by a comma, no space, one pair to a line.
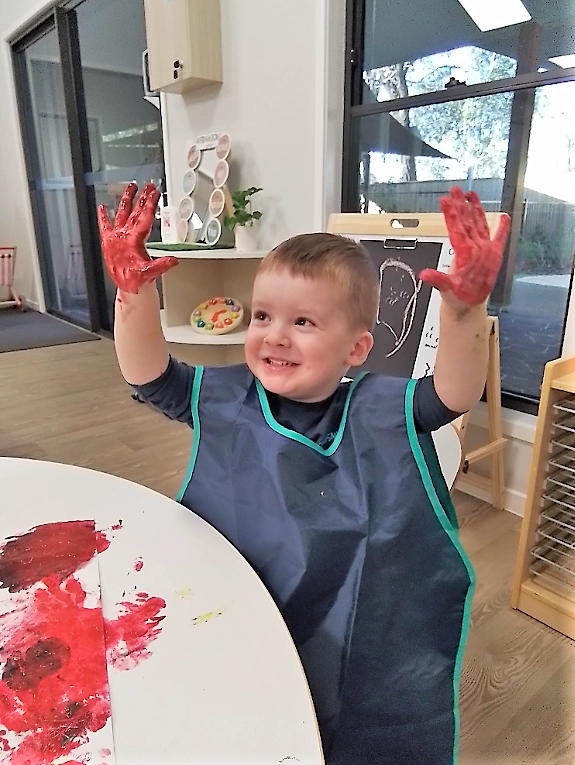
209,325
197,313
203,306
235,315
201,323
235,308
229,301
227,322
212,301
220,325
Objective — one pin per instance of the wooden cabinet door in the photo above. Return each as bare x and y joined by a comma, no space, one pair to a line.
184,43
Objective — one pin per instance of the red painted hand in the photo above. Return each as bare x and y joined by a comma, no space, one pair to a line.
123,244
477,258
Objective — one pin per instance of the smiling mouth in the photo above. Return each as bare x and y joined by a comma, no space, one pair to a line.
279,363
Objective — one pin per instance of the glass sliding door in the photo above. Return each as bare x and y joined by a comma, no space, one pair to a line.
124,129
51,181
89,129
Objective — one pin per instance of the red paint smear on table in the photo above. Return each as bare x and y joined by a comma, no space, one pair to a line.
54,683
128,636
52,549
138,565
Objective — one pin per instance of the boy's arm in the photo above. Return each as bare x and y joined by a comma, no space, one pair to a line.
140,345
141,348
462,352
461,361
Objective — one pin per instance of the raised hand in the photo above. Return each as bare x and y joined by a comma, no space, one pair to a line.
477,258
124,243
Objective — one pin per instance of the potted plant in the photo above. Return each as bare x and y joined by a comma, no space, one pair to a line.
243,219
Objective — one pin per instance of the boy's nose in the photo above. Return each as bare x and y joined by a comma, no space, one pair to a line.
276,335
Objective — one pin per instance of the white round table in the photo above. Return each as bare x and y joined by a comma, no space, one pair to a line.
224,683
449,452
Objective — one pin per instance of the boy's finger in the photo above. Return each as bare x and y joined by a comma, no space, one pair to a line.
139,205
437,279
477,215
103,219
142,215
159,266
125,206
143,222
502,232
457,233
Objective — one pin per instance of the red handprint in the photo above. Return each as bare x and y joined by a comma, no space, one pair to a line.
123,244
477,258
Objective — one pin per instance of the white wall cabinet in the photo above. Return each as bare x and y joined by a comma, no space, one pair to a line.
184,44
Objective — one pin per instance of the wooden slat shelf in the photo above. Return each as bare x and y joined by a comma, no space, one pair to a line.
544,584
566,383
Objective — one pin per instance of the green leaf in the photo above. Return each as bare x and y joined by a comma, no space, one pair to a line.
256,215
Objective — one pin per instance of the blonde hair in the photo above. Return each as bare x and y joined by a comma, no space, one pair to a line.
337,259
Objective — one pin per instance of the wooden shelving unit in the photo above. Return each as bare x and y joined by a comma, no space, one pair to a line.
200,275
544,585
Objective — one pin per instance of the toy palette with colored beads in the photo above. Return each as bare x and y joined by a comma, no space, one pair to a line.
217,316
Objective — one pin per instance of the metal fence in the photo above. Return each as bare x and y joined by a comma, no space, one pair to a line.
548,228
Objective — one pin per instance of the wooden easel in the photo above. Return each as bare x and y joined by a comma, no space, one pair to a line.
373,226
494,484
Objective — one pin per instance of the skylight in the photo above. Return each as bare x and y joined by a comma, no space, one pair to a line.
494,14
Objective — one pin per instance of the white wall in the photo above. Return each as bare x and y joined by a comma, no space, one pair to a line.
519,429
281,102
15,216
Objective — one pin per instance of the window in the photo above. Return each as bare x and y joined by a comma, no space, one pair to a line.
488,111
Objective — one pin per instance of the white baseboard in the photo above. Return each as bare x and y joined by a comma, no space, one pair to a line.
513,501
34,305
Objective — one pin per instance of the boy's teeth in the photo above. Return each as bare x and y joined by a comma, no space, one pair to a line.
279,363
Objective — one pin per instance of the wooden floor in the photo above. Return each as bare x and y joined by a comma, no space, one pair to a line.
70,404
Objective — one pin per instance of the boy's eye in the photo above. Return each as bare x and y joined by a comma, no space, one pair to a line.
260,315
303,322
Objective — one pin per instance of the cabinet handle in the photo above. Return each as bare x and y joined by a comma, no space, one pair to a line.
177,64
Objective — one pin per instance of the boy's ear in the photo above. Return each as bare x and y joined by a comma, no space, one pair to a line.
361,349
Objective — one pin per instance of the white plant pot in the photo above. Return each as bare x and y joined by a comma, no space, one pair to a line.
246,238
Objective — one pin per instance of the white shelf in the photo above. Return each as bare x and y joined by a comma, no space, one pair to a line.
207,254
184,334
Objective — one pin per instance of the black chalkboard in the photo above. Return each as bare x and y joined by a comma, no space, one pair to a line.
404,301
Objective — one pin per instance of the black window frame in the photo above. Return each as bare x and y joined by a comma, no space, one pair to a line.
354,110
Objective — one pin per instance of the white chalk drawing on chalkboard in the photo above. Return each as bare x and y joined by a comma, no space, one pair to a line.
405,288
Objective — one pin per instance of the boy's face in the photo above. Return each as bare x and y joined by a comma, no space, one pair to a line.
300,342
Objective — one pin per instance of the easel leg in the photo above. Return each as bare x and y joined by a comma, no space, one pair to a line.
493,392
494,448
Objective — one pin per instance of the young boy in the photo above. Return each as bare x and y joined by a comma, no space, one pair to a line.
332,490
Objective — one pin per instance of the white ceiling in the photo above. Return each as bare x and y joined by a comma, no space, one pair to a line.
404,30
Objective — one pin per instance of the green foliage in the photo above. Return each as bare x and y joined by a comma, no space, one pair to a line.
473,131
538,254
243,213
